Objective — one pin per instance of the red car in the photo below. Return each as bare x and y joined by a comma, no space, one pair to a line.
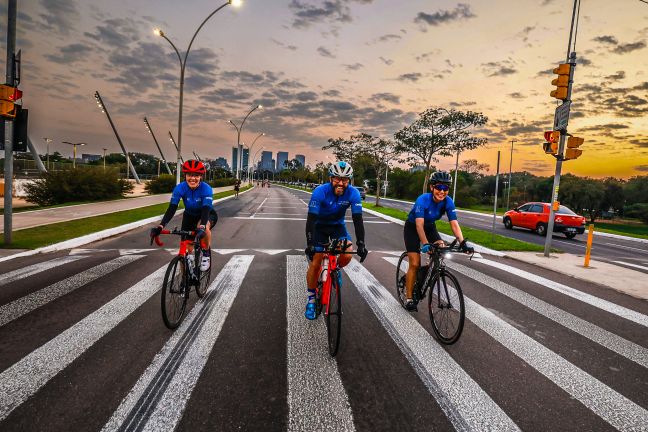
535,216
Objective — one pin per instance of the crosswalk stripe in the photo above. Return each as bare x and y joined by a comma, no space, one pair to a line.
597,302
615,343
631,265
316,396
28,303
611,406
31,270
159,397
25,377
467,405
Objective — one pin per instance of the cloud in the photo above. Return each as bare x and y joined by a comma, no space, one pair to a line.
325,53
389,37
116,33
642,142
70,54
60,15
227,95
283,45
642,168
629,47
426,57
610,40
412,77
498,69
387,97
461,12
353,67
387,61
517,95
306,14
617,76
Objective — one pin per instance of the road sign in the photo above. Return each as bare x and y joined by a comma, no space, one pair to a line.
561,117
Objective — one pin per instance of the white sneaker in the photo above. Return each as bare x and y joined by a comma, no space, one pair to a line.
205,262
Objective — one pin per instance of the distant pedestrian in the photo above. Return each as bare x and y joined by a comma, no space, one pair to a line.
237,187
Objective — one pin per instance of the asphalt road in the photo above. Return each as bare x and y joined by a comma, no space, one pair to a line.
83,346
619,251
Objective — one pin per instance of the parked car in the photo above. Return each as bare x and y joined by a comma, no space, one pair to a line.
363,192
535,216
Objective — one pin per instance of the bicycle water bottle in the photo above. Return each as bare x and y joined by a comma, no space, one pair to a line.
191,260
325,263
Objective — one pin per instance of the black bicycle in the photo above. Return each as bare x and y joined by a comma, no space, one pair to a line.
445,302
182,273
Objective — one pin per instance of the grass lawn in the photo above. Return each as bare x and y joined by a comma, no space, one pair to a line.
483,238
32,238
632,230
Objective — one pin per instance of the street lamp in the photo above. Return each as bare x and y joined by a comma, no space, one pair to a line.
104,150
47,141
254,160
508,195
250,150
239,148
183,64
74,146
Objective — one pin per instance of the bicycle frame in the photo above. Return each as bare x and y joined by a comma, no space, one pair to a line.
326,285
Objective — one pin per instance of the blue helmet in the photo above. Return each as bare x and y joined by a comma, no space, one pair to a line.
341,169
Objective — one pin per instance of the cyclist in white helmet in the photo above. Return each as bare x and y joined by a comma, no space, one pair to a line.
326,211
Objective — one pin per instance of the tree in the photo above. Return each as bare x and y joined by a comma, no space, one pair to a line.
438,132
472,166
636,190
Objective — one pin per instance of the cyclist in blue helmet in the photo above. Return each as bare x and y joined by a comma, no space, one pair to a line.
326,211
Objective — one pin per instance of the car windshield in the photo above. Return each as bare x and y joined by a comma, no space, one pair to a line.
565,210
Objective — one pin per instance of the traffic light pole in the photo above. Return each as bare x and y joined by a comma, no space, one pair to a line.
571,58
9,135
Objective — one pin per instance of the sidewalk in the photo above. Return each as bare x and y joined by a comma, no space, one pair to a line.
32,218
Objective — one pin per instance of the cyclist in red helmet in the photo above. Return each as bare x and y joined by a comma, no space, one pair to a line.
199,214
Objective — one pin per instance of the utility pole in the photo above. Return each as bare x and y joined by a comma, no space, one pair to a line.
496,193
104,150
9,135
508,195
47,141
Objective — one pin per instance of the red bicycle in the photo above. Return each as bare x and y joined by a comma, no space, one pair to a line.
182,273
328,296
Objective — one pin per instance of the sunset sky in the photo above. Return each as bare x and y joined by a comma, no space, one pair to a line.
332,68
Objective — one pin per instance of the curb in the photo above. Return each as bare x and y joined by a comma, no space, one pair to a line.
89,238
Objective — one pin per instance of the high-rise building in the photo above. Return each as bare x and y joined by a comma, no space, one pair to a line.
221,162
266,161
246,155
301,159
281,158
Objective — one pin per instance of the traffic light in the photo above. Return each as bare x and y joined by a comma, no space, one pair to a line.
562,82
8,96
553,139
572,151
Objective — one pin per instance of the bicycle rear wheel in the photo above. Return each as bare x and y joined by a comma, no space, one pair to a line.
446,307
204,279
334,316
401,272
175,292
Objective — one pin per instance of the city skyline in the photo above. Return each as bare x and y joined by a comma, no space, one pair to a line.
332,69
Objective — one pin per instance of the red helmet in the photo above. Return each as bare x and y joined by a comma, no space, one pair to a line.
193,166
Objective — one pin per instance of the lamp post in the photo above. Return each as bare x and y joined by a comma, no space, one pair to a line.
254,160
104,158
239,148
250,150
508,195
183,64
47,141
74,145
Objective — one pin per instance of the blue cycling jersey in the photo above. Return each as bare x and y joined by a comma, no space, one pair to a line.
193,199
425,207
329,208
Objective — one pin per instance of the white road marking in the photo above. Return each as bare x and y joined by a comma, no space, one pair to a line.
258,208
20,381
134,251
303,219
625,247
87,251
227,251
609,340
316,395
605,305
467,405
631,265
30,302
271,251
156,405
24,272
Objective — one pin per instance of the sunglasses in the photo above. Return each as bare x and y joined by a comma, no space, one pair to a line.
442,187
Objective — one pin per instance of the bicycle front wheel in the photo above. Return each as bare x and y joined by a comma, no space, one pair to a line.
175,292
204,279
401,274
334,316
446,307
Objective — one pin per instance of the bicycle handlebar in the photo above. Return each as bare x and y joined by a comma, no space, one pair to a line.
331,248
175,232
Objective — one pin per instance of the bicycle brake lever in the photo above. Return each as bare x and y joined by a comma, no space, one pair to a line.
157,241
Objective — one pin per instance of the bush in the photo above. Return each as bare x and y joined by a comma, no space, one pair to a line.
163,184
79,184
639,211
223,182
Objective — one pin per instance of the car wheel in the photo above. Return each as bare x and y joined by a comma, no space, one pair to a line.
541,229
570,235
507,223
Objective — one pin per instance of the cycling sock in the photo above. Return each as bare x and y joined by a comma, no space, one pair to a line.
311,295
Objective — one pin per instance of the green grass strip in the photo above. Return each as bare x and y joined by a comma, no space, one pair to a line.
637,231
483,238
32,238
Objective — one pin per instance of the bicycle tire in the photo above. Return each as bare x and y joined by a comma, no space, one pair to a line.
401,276
318,299
447,317
203,281
334,316
175,293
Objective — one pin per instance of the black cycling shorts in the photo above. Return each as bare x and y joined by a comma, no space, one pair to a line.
412,241
190,222
323,234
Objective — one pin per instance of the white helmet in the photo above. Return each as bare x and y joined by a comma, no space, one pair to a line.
341,169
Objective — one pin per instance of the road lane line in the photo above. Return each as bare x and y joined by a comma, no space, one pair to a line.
28,303
258,208
597,302
316,395
609,340
611,406
158,399
468,406
20,381
31,270
625,247
631,265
